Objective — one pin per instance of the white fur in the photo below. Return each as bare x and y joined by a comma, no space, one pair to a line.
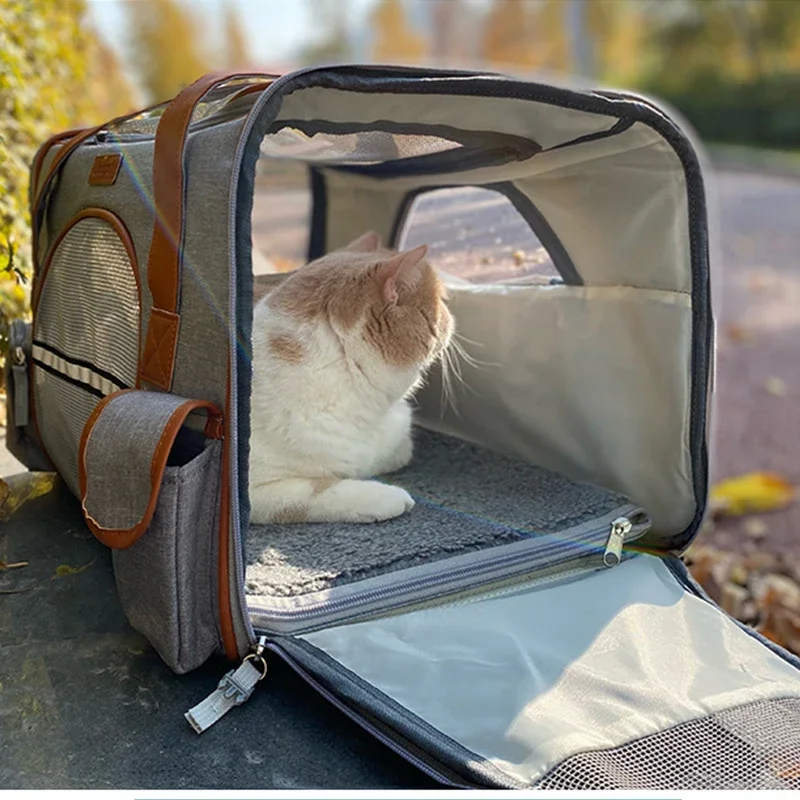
341,415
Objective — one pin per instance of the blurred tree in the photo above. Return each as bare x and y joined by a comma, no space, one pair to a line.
394,38
55,73
742,40
237,51
165,46
619,32
527,35
332,44
509,34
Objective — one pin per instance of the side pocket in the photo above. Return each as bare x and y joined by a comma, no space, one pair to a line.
21,439
150,479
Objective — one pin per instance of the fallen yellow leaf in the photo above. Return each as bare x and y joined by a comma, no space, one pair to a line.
752,493
66,569
16,490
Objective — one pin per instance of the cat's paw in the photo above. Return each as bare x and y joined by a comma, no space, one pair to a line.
390,502
362,502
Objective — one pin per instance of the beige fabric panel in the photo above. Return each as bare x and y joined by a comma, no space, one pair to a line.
528,679
354,209
547,125
619,205
592,382
623,217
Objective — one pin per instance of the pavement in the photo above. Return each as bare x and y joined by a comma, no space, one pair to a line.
84,701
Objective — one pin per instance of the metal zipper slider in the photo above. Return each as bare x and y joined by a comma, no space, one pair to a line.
620,528
234,689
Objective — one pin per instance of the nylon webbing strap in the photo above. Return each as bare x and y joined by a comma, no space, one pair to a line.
234,688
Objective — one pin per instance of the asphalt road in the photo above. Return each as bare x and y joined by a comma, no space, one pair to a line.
85,703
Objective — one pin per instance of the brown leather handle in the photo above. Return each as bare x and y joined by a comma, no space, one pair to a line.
164,258
74,138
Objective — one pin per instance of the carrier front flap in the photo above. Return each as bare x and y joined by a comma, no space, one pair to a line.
128,445
616,679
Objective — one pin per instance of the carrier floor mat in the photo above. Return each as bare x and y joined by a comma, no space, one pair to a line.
467,498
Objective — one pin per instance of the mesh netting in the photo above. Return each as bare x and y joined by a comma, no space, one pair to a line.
755,746
85,336
365,147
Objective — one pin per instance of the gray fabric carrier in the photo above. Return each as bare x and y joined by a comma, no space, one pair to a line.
529,622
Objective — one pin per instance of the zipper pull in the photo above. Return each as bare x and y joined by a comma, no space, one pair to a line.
19,373
620,528
234,689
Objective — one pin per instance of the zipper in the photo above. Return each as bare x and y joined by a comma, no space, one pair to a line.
363,723
620,528
441,582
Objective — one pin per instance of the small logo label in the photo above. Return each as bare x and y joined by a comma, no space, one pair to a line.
105,170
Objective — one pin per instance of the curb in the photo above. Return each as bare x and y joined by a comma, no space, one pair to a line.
752,160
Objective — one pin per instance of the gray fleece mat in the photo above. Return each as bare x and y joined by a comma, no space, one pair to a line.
468,498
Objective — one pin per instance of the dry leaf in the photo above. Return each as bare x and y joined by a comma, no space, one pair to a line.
754,492
737,333
15,565
23,487
776,386
755,528
733,598
66,569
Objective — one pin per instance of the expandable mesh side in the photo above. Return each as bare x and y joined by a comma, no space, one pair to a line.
90,305
364,147
754,746
62,410
87,327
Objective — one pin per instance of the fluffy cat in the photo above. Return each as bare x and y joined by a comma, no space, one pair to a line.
338,349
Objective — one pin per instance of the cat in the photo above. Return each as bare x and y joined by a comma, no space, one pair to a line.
338,349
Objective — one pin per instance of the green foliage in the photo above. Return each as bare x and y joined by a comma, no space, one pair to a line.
761,113
166,48
54,74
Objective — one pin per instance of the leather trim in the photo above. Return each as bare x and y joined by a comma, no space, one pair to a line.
69,146
120,539
226,628
105,169
165,255
41,155
160,345
122,232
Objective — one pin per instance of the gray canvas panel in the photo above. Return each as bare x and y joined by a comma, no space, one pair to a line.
201,365
118,455
130,198
167,579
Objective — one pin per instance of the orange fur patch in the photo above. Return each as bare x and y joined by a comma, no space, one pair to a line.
342,287
286,348
291,514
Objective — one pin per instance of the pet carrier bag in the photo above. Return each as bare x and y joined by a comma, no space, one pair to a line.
529,622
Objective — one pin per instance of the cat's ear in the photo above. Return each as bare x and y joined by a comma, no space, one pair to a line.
365,243
401,270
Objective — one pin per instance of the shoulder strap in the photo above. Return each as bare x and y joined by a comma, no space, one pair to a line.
164,258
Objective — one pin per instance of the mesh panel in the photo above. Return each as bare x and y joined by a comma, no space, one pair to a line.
90,301
87,333
366,147
755,746
62,410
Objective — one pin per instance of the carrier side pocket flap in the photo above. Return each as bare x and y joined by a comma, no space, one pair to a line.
124,450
